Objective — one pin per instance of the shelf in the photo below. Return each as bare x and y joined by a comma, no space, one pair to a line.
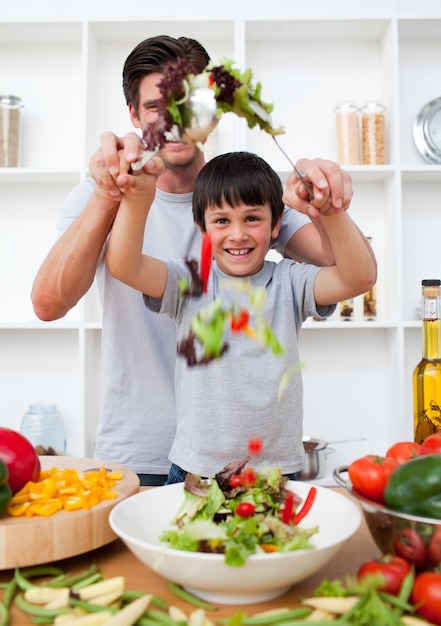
65,62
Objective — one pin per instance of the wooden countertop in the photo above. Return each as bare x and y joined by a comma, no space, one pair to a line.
115,559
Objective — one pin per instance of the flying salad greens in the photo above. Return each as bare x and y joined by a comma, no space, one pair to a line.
233,92
238,513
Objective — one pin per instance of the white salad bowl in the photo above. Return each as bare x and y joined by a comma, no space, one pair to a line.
140,520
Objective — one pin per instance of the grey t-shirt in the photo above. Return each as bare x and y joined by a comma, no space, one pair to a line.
222,404
138,421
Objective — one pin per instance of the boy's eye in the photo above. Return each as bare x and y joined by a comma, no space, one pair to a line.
221,220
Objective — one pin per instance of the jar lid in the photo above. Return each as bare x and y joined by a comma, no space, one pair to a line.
373,106
346,107
11,101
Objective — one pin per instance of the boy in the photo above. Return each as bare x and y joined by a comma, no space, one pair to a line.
237,200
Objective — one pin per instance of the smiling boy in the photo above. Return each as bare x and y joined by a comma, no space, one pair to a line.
237,200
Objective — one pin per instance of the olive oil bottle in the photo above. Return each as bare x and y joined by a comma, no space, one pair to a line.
427,374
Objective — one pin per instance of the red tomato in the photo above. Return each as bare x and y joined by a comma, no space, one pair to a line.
426,595
434,548
369,475
389,569
403,451
245,509
410,546
20,457
236,481
432,444
255,446
248,477
240,321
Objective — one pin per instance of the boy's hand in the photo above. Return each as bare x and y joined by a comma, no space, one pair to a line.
332,188
132,184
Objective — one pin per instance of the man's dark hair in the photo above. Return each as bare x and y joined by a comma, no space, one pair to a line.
233,178
152,55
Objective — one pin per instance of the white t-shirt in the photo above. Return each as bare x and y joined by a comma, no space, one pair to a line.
138,419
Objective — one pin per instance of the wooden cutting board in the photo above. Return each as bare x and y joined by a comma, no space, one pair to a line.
36,540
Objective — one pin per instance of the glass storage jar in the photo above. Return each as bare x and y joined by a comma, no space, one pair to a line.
373,133
43,425
347,132
10,130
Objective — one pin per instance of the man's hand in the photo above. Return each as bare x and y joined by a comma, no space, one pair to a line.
332,188
106,164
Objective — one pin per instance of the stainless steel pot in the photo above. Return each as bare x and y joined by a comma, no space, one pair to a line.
316,453
315,458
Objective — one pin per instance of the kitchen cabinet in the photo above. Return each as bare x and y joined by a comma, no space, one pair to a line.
65,62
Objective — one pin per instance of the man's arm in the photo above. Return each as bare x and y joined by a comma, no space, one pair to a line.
69,269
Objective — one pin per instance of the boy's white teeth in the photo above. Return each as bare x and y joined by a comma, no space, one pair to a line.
239,252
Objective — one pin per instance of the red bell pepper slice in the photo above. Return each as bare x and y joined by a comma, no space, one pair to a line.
206,258
306,506
288,508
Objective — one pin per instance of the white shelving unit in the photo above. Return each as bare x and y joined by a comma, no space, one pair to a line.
65,62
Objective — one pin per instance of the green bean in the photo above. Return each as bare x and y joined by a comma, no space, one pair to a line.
9,593
72,581
58,581
33,609
278,618
22,582
189,597
42,570
4,614
160,618
128,596
145,621
85,582
42,620
89,607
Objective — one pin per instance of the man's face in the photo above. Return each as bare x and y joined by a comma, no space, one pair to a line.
175,155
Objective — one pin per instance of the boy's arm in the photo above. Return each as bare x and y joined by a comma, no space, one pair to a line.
355,269
124,256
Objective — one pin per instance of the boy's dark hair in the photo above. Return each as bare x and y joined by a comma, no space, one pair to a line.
233,178
151,56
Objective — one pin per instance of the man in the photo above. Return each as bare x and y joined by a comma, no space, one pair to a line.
139,349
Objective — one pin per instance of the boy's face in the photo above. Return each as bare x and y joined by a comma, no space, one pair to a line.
240,236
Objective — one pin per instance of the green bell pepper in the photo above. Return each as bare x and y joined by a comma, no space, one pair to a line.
5,490
415,487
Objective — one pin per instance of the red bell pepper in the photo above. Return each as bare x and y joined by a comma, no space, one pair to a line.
206,257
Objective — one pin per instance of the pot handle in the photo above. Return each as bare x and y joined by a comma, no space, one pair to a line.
336,474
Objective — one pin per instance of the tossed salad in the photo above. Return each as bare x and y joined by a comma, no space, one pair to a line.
233,92
238,513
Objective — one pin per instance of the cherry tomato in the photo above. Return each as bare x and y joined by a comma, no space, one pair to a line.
410,546
236,481
245,509
248,477
426,596
404,451
390,569
369,475
240,321
434,547
255,446
432,444
20,457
